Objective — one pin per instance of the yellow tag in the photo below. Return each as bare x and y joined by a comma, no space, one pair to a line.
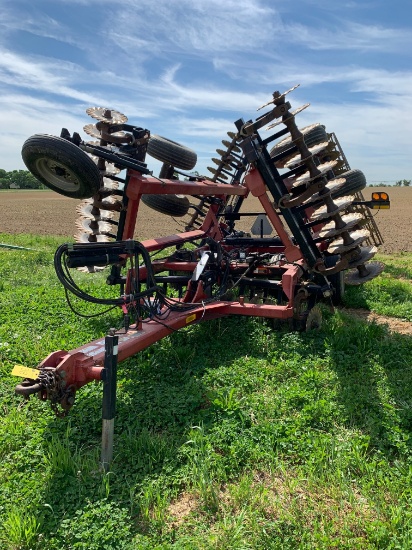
190,318
25,372
379,207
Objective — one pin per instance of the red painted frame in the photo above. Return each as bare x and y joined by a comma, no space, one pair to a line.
85,364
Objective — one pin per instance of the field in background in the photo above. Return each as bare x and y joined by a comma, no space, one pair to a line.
47,213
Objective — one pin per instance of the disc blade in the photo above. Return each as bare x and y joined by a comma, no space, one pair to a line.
330,230
230,145
109,168
93,213
366,253
297,159
87,238
278,97
106,115
323,212
354,277
110,184
109,203
91,269
92,130
322,168
292,113
217,172
332,186
93,227
305,130
339,246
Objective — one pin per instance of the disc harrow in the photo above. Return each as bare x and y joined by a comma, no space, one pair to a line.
304,239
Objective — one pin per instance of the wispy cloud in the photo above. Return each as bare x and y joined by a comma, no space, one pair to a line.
348,35
47,76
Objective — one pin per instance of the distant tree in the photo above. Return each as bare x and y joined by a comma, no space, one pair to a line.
406,183
21,178
24,179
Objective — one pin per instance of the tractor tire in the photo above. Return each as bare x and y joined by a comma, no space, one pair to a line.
171,153
313,136
171,205
355,182
62,166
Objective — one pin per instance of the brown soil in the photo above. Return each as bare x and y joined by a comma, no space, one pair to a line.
47,213
395,325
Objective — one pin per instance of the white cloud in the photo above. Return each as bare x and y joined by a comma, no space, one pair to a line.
350,36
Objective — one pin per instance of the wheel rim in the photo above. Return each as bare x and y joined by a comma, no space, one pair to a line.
58,174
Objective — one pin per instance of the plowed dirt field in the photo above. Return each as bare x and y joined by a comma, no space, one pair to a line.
47,213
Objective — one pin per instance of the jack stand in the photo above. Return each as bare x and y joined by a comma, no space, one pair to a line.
109,397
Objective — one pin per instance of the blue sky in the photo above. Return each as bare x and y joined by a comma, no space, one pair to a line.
187,69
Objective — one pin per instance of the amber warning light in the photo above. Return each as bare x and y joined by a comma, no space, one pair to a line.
380,200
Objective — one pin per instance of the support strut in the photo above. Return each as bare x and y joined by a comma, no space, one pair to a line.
109,397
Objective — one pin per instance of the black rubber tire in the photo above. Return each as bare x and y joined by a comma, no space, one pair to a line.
312,137
315,136
172,153
355,182
62,166
171,205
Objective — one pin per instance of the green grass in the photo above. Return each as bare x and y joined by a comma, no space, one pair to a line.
227,434
389,294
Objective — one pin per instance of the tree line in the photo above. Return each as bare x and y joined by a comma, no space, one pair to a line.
399,183
19,179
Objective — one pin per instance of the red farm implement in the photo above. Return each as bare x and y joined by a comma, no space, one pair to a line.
313,233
